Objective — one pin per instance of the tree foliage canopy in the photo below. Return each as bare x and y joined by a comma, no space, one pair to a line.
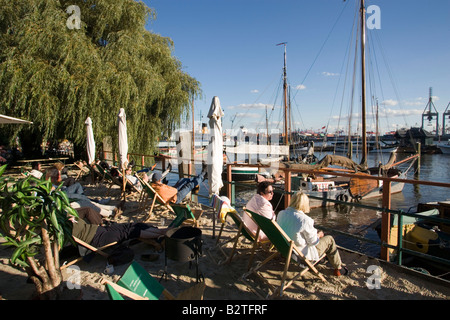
57,77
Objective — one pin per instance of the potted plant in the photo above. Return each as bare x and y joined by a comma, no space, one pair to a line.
33,220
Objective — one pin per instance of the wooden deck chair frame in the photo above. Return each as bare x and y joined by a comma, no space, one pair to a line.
242,231
106,176
286,248
129,184
92,248
149,192
82,170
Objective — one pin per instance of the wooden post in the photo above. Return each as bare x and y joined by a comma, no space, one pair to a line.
386,219
287,187
229,180
419,152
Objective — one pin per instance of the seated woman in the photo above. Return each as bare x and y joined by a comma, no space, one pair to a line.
260,204
300,228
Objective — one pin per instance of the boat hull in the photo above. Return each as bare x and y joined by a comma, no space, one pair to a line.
445,148
242,174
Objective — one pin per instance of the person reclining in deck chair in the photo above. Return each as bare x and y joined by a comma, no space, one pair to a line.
80,200
300,228
180,190
37,170
143,174
99,236
260,204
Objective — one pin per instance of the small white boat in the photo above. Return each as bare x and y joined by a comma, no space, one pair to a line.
445,147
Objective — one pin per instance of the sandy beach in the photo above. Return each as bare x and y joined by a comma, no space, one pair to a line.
224,281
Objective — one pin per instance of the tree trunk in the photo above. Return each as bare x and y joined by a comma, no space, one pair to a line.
47,279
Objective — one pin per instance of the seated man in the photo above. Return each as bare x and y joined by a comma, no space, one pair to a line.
260,204
179,191
132,178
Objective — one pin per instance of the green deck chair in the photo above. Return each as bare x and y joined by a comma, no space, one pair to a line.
183,214
286,248
242,231
108,178
137,284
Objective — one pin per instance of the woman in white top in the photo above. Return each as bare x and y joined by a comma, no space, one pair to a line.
300,228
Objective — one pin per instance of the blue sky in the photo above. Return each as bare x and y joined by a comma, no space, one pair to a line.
230,47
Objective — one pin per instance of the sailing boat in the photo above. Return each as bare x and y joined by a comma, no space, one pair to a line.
367,188
335,188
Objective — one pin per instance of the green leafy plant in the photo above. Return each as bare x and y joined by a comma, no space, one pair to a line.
33,220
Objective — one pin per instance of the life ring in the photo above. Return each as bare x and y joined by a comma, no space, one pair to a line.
342,197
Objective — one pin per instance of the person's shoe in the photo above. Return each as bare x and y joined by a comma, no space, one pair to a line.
196,189
104,201
341,272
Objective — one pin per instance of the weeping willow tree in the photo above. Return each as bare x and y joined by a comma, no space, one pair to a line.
56,74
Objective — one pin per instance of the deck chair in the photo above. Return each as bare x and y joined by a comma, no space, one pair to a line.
286,248
137,284
242,231
149,193
129,185
81,170
185,215
88,247
108,177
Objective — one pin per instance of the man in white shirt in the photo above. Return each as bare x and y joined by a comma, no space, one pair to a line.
260,204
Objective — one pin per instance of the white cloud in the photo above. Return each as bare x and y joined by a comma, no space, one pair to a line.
248,115
254,91
390,102
329,74
300,87
420,101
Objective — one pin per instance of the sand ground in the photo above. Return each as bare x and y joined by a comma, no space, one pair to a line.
225,281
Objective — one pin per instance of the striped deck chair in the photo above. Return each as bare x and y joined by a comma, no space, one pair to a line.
286,248
219,209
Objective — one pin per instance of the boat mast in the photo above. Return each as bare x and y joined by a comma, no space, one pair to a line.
363,82
286,139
